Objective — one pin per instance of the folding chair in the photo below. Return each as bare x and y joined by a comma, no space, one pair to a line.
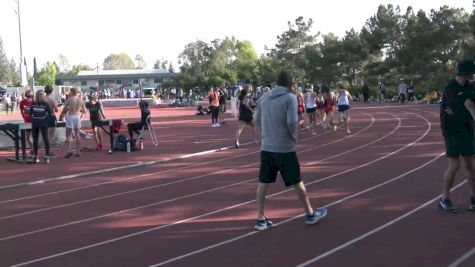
151,131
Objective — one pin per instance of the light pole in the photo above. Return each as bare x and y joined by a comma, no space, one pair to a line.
21,49
98,90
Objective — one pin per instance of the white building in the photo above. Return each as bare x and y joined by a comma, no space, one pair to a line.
115,79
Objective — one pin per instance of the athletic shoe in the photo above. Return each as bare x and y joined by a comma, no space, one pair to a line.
214,125
218,125
35,160
446,205
46,159
236,144
317,215
263,224
471,206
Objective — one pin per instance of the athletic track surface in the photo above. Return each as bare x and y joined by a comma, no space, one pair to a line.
381,185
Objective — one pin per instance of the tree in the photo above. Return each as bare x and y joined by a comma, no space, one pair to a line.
140,62
47,74
63,64
118,62
171,69
77,68
14,73
4,65
290,47
157,64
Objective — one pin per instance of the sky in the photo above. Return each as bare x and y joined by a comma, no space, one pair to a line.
87,31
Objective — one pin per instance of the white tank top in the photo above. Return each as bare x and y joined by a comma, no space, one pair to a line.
310,101
343,98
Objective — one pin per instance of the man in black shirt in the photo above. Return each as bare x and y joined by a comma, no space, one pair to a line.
137,126
458,130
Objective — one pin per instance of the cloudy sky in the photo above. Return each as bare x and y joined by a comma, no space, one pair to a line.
86,31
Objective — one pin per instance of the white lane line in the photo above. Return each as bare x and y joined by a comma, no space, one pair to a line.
376,230
160,202
159,172
301,215
291,219
463,258
174,182
192,218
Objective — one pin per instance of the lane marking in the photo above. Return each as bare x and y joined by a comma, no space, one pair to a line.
200,216
293,218
154,162
463,258
382,227
153,204
170,183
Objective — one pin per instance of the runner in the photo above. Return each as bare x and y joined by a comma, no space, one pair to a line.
222,104
40,112
278,120
96,114
344,98
300,106
311,108
329,104
246,112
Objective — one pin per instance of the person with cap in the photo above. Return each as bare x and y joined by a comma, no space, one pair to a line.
457,123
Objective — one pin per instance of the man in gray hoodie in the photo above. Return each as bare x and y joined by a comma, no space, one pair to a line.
277,118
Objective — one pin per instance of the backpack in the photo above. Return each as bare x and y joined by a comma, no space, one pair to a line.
120,143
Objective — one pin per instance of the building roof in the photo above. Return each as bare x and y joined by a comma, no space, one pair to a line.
123,72
118,74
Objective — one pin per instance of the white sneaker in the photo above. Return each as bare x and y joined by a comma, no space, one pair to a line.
214,125
218,125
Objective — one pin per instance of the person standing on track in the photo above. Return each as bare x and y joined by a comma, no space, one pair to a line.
344,98
277,118
457,126
25,113
40,111
213,97
329,103
96,115
73,110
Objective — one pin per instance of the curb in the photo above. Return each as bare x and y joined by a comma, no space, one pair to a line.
140,164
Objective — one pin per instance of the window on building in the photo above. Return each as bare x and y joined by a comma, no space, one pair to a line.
118,82
156,81
135,81
101,82
84,83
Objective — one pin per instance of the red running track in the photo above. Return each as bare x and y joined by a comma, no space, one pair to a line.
380,185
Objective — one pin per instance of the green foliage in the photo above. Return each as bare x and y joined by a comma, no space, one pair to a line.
118,62
47,74
4,66
77,68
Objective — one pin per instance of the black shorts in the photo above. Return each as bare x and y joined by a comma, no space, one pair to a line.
456,146
95,124
286,163
311,110
343,108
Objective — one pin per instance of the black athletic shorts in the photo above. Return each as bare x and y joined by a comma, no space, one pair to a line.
311,110
286,163
459,145
343,108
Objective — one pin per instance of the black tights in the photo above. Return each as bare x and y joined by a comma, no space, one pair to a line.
44,132
214,114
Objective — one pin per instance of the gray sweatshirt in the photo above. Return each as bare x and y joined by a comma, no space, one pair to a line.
277,118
